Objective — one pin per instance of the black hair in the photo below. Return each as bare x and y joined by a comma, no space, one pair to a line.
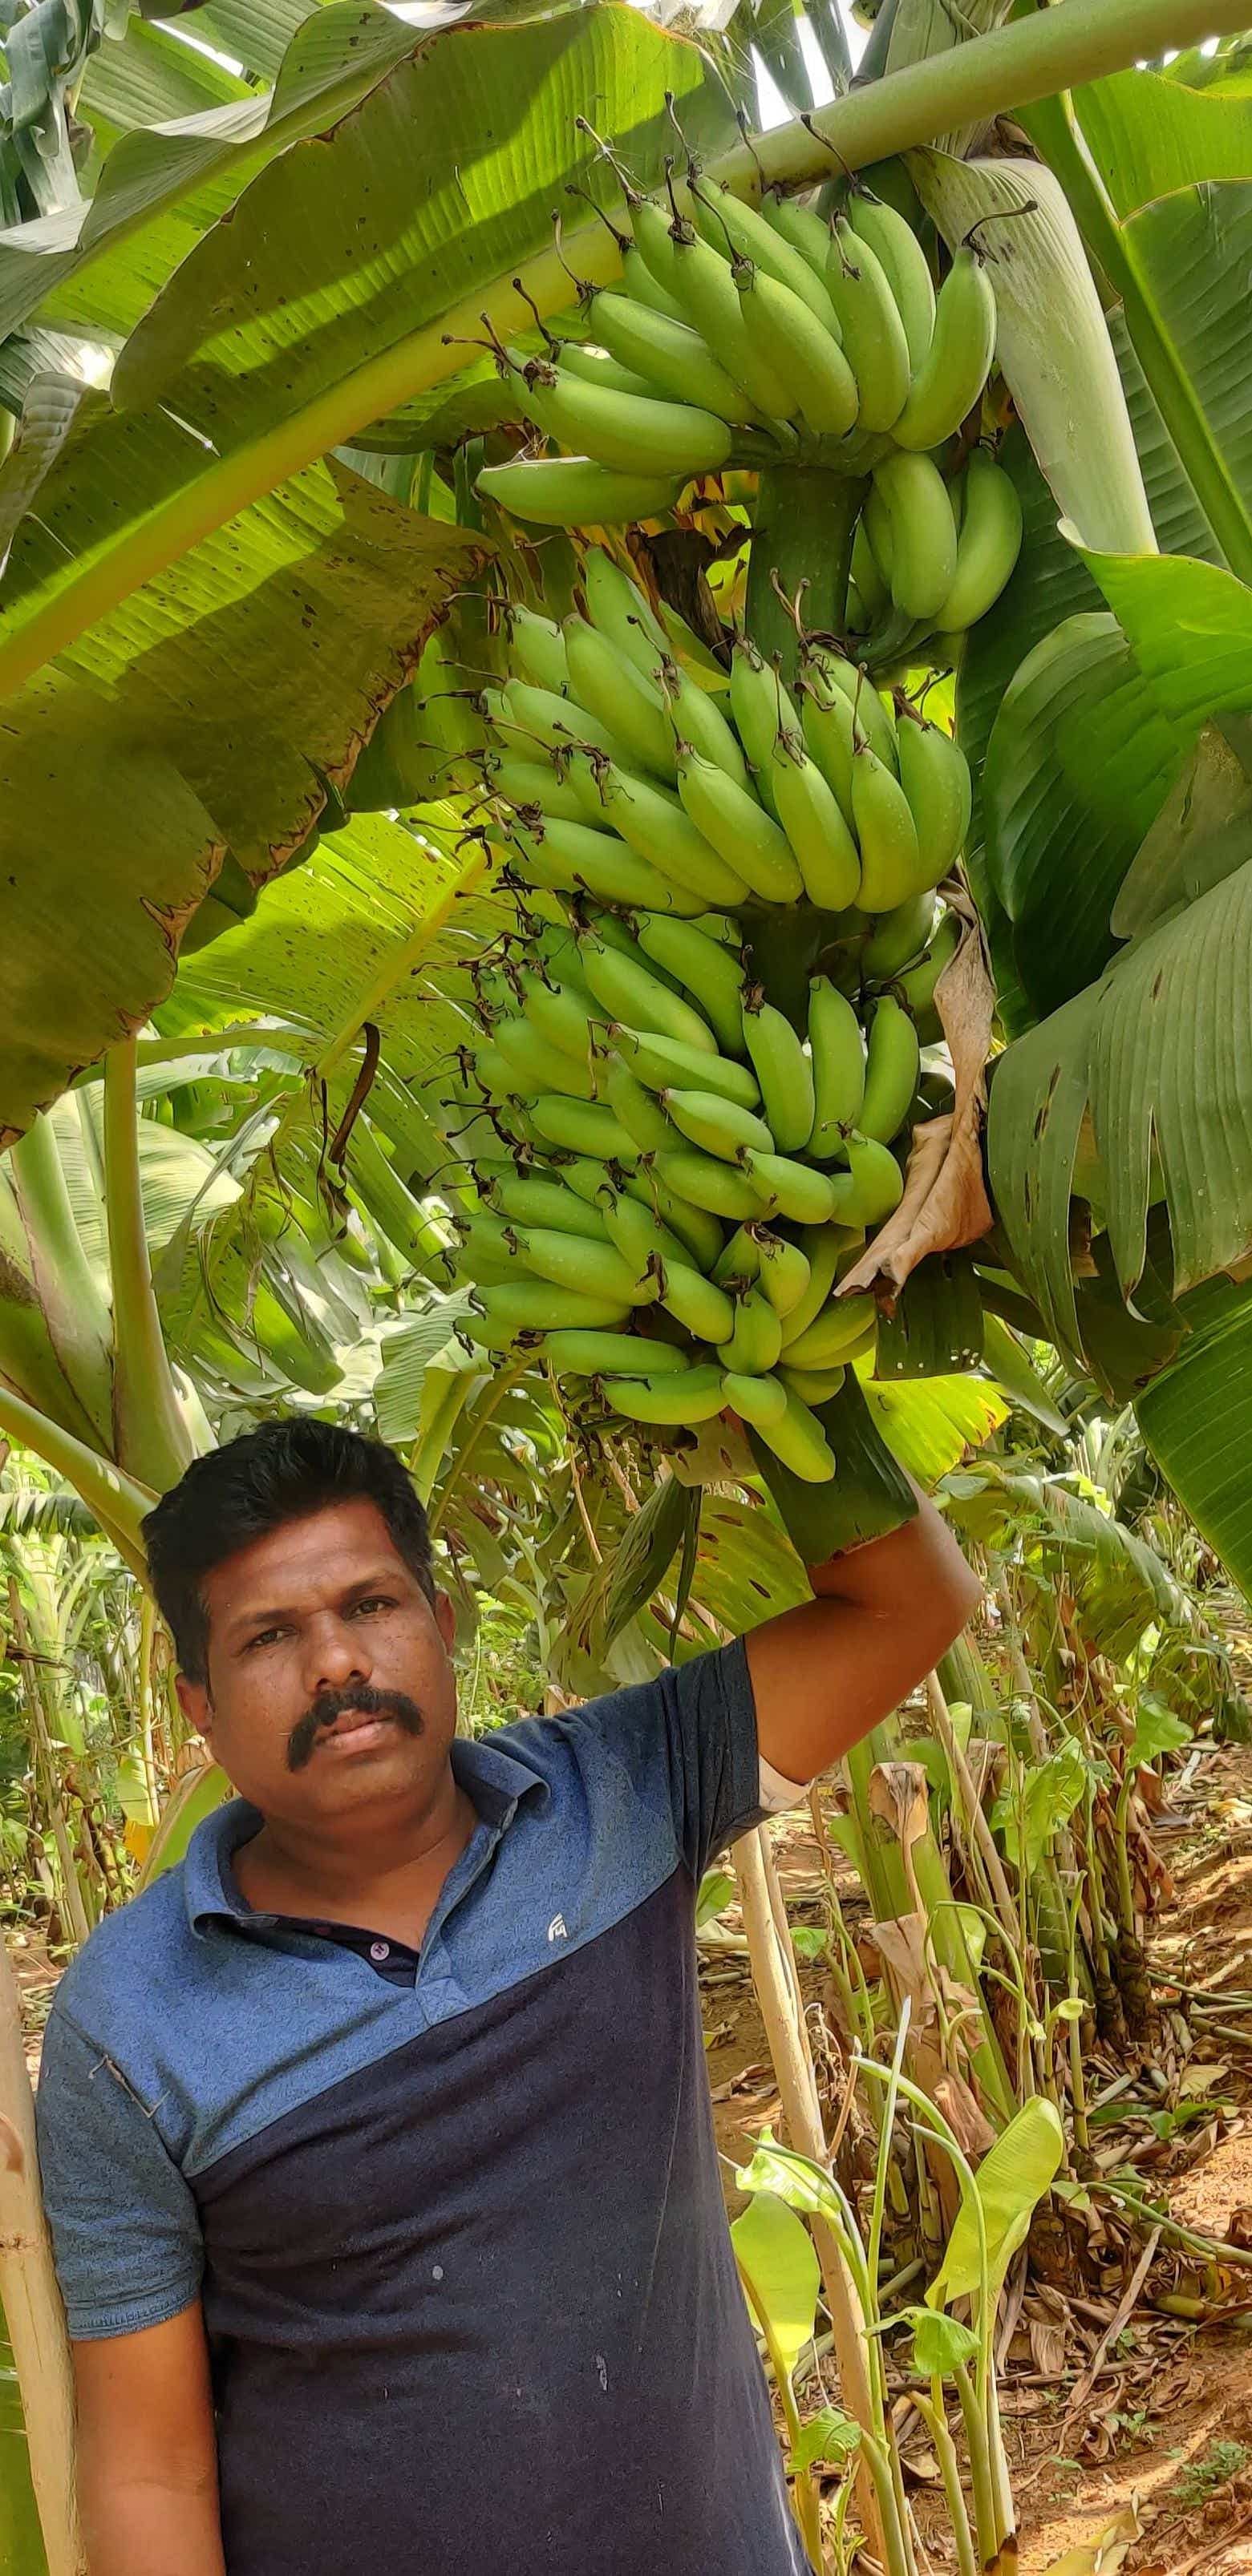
283,1471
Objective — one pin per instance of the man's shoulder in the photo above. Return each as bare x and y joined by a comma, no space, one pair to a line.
109,1983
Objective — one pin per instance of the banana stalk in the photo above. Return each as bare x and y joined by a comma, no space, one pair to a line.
1063,378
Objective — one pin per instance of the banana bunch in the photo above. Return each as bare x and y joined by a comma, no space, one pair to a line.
619,777
679,1173
742,336
929,557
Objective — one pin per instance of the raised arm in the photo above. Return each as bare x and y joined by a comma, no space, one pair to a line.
826,1672
147,2452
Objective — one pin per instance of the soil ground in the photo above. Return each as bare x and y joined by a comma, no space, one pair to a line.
1167,2427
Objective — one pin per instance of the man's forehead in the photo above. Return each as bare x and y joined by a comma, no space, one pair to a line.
323,1551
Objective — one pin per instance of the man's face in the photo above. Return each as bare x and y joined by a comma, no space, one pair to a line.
330,1691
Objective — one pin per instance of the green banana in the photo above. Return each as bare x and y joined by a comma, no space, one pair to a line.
583,1127
537,1065
838,1067
739,829
668,1064
790,1189
698,1304
833,676
554,721
826,1342
806,230
578,1261
898,938
656,827
892,1066
695,1227
672,357
923,533
917,987
598,861
694,1397
563,1016
706,290
871,1188
618,607
639,1236
871,588
526,783
716,1125
494,1072
813,1386
632,433
705,1183
643,287
761,706
711,974
934,774
615,692
829,729
785,1271
530,1200
755,1343
957,364
536,1306
575,492
815,825
760,244
646,1125
823,1247
800,1442
619,935
987,547
892,867
580,1354
697,720
904,264
537,646
758,1399
784,1072
804,349
874,341
739,1258
627,992
584,1174
595,362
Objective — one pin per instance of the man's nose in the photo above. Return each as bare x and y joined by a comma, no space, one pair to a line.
335,1654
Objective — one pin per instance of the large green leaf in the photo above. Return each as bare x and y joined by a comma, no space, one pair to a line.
1196,1418
1202,833
1189,626
929,1423
1009,2184
776,2257
1148,136
195,719
328,297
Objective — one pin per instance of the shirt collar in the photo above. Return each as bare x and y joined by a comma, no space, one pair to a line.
496,1781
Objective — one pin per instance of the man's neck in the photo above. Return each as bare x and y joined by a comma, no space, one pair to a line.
386,1877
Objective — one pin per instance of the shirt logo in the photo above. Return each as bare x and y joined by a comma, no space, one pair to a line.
556,1929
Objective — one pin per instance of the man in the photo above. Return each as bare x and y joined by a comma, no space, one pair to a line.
375,2137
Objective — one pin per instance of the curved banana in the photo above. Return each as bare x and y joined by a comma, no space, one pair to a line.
755,1343
576,492
760,243
632,433
827,1341
627,992
619,608
537,646
639,1236
696,1227
577,1261
735,823
872,1186
814,822
582,1127
900,936
711,974
582,1354
761,706
802,226
923,533
835,672
520,709
823,1247
536,1306
597,365
829,731
934,774
698,1304
643,287
598,861
800,1443
759,1400
563,1015
838,1055
526,783
785,1271
871,588
987,547
537,1065
705,1183
697,720
656,826
917,986
673,358
784,1072
716,1125
892,1065
619,695
739,1259
904,264
874,340
813,1386
706,290
636,1108
802,348
891,864
952,375
695,1396
790,1189
668,1064
529,1199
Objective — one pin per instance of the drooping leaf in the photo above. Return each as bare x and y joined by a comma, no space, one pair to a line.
1010,2182
1028,1818
408,1348
928,1424
1196,1418
1157,1731
776,2256
941,2344
644,1559
717,1887
828,2435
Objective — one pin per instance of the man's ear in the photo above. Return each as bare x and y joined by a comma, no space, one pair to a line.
445,1620
196,1705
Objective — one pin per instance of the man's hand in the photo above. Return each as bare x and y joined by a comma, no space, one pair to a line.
824,1673
147,2452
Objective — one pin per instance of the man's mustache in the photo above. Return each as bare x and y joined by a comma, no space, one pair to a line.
363,1699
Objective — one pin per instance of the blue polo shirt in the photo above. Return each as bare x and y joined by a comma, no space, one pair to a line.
455,2218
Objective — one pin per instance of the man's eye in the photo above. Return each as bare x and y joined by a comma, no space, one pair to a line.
266,1637
375,1601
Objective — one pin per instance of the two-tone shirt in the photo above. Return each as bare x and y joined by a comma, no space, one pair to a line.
455,2217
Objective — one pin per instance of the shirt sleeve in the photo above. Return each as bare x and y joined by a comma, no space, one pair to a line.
691,1734
125,2230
